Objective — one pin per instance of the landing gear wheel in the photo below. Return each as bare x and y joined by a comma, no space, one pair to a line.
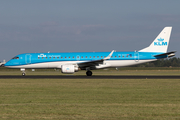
89,73
23,74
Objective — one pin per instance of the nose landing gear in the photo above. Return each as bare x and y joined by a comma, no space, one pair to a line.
23,72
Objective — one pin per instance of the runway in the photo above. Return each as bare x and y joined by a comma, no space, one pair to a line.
87,77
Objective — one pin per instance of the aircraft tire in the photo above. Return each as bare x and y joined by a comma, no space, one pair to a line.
89,73
23,74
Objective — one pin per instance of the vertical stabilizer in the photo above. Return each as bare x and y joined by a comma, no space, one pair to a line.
160,44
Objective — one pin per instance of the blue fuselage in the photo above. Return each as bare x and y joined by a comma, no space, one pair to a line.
37,58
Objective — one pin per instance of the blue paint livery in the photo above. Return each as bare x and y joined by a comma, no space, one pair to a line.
34,58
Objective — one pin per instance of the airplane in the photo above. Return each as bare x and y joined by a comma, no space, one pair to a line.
73,62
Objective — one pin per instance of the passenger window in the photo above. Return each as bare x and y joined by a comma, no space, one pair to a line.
97,56
38,57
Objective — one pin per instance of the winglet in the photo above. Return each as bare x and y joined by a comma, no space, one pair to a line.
109,56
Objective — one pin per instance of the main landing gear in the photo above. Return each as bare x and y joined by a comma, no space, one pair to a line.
89,73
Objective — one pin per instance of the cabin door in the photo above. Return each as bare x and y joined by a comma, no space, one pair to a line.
136,56
28,59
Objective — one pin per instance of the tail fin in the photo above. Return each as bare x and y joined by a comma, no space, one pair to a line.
160,44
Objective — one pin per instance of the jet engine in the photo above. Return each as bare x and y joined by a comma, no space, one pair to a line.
69,69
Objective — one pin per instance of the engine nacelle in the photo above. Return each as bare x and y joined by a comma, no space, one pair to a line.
69,69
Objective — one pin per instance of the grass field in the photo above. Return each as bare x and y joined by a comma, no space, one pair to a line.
84,99
91,99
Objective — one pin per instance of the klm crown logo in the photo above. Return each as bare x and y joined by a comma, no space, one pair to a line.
160,39
41,55
160,42
67,69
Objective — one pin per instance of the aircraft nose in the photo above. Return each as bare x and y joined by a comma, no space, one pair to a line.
7,64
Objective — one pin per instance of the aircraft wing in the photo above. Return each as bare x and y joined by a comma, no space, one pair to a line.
94,62
90,63
169,54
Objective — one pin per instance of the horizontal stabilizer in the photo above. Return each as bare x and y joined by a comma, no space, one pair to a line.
169,54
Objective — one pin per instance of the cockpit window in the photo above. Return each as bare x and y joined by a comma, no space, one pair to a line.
15,58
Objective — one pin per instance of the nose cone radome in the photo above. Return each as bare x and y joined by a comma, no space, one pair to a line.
7,64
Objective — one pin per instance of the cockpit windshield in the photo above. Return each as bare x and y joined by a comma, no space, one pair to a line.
15,58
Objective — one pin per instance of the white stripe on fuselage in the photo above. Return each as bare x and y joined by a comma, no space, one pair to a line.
107,63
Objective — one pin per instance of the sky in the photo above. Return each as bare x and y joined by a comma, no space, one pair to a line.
35,26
